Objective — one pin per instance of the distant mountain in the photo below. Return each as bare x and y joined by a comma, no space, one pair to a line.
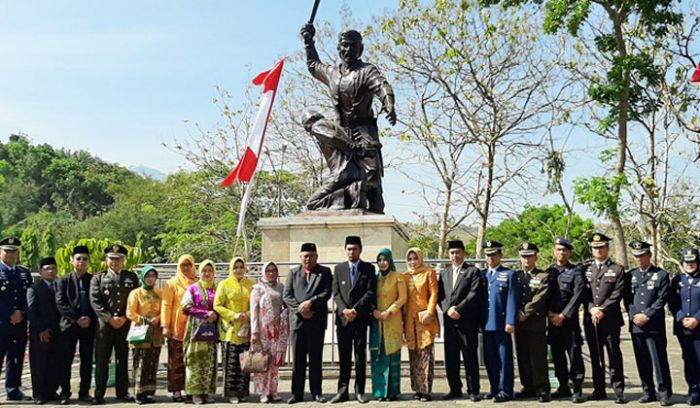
149,172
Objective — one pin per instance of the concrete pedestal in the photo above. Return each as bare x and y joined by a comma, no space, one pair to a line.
282,237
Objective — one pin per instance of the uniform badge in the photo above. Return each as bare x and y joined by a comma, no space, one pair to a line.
3,288
634,279
655,276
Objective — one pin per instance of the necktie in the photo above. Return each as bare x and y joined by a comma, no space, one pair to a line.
353,270
455,275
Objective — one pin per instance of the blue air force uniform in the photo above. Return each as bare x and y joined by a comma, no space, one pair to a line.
14,282
684,302
500,309
646,294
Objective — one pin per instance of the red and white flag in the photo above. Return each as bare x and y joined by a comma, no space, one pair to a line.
696,75
245,170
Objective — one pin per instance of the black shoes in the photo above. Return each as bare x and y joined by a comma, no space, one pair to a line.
425,398
501,397
524,394
98,401
17,395
451,395
562,392
339,398
475,397
544,398
620,399
597,396
295,399
578,398
646,398
665,402
361,398
318,398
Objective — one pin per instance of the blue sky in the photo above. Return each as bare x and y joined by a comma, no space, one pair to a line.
118,78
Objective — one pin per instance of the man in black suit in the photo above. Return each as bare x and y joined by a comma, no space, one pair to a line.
355,296
77,320
306,293
460,296
45,340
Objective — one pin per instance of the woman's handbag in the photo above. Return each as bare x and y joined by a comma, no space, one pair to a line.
206,332
139,334
254,361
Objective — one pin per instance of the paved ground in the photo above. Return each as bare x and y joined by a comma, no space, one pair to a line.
440,385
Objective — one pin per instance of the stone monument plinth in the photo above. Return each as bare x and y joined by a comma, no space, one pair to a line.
282,237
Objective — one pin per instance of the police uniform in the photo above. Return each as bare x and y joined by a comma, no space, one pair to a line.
14,282
684,303
566,292
531,333
499,310
604,290
646,292
109,291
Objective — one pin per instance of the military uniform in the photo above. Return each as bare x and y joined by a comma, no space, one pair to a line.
14,282
647,293
109,291
604,289
531,334
565,296
500,309
684,302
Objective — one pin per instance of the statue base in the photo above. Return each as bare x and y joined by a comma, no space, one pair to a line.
282,237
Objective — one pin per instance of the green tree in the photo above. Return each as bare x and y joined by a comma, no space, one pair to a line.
541,226
620,68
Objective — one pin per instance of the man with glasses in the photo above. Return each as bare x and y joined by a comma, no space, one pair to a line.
45,347
14,282
77,320
500,312
109,292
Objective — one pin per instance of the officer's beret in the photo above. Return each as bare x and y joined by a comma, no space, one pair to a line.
353,240
456,244
47,262
527,249
308,247
81,249
690,255
563,242
640,247
598,240
116,251
491,247
10,244
350,35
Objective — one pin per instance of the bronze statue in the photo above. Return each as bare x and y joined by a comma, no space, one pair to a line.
353,84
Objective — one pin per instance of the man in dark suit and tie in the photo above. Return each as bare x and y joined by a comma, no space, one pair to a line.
355,296
45,335
77,320
461,294
306,293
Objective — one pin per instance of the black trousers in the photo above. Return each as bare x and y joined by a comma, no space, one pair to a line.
652,361
462,343
690,348
307,342
352,338
606,338
85,339
531,347
566,345
13,342
109,339
44,363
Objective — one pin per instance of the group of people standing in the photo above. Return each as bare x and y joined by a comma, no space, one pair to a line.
378,309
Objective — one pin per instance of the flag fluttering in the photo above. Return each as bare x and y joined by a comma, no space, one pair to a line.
696,75
245,170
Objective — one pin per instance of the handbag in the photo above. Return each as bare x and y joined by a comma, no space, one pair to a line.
206,332
139,334
254,361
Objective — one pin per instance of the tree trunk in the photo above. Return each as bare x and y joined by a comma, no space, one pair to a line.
444,218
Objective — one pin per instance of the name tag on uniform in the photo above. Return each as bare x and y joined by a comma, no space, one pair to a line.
535,283
610,273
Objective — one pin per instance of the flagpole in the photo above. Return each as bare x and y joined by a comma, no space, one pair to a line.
244,207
